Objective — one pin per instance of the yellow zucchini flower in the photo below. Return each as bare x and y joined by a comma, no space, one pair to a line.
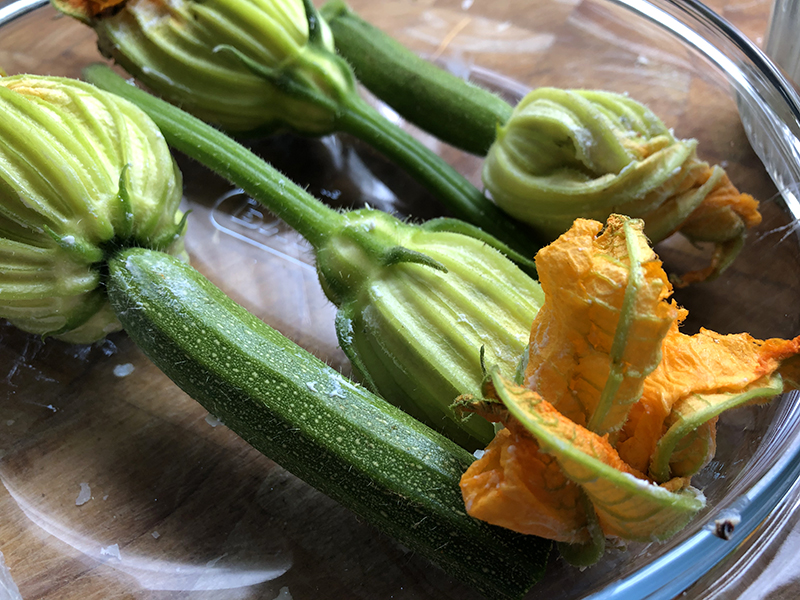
617,408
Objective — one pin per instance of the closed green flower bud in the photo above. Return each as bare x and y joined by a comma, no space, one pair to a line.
422,311
565,154
81,172
241,64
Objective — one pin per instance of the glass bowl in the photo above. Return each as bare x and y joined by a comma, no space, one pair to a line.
117,485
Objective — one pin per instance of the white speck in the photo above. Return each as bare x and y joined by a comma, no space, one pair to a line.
479,453
112,551
84,496
9,589
212,420
105,497
697,494
642,484
10,422
68,240
123,370
155,535
337,391
642,60
284,594
466,4
312,385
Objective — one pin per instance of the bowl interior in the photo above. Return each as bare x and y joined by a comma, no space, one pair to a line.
178,506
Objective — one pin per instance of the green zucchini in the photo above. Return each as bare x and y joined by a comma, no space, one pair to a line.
396,473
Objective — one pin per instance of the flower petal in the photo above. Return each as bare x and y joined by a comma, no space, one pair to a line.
599,332
516,486
694,410
626,503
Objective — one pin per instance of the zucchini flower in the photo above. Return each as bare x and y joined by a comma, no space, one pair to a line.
559,155
617,408
567,154
241,64
81,173
259,65
419,305
421,311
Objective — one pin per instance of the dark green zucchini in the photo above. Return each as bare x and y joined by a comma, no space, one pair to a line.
353,446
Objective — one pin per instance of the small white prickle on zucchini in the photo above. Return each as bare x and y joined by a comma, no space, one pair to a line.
378,461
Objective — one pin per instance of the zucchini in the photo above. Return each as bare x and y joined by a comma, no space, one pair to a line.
393,471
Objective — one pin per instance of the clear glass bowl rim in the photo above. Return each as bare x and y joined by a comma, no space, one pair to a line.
677,569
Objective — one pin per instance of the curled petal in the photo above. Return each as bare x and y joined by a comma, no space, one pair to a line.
626,502
516,486
599,332
716,367
567,154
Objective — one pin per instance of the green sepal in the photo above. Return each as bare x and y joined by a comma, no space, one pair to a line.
344,333
313,18
690,413
165,240
89,308
399,254
126,228
85,252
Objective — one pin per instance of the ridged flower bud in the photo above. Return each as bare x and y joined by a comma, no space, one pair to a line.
241,64
81,172
422,311
565,154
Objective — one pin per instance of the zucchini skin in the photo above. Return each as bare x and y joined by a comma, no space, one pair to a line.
393,471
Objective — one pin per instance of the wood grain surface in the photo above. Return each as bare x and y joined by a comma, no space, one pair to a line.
191,510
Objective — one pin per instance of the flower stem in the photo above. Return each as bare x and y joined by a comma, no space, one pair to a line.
307,215
454,110
463,199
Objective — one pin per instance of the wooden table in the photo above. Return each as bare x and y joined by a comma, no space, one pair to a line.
178,507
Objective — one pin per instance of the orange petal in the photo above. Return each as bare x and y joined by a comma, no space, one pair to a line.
600,285
86,10
723,213
515,485
707,362
627,504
